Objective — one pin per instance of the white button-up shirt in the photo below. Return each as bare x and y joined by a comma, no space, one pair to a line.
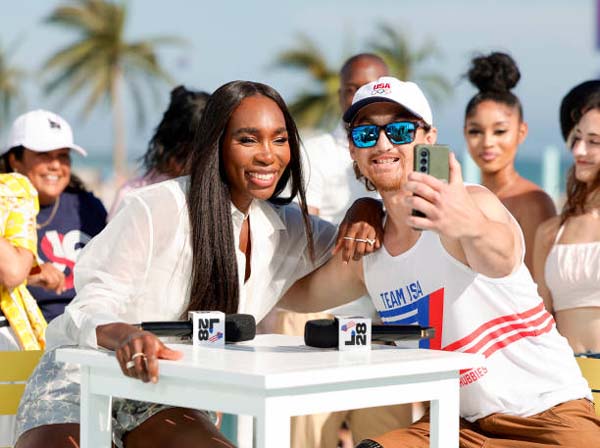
139,268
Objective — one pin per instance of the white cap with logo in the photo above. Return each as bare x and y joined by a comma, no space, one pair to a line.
42,131
389,89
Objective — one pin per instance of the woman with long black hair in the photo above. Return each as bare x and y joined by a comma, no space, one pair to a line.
220,239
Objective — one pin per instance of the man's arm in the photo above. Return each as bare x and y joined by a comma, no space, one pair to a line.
544,240
492,245
471,221
333,284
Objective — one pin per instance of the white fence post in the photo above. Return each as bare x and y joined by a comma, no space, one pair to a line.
470,170
551,172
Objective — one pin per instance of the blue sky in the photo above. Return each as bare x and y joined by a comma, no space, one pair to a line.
551,40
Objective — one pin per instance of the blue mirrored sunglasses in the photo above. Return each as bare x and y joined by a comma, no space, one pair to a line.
398,132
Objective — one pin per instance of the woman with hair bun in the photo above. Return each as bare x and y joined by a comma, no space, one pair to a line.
494,128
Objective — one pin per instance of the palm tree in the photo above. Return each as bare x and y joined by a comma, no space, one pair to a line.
319,107
11,78
407,63
100,61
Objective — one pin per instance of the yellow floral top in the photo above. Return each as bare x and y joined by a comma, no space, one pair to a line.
18,210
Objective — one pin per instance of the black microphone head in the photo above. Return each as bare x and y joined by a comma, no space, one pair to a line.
321,333
239,327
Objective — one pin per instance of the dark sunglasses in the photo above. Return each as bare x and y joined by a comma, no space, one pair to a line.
398,132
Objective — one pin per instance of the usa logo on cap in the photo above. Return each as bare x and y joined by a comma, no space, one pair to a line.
383,88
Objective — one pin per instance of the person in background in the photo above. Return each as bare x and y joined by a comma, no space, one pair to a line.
574,100
39,147
494,128
567,247
332,185
22,325
170,146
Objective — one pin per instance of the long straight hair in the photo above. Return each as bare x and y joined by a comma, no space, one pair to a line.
214,279
578,193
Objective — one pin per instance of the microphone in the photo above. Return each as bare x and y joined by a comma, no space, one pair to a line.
324,333
238,327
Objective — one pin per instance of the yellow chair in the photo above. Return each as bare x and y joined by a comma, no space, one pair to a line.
590,367
16,367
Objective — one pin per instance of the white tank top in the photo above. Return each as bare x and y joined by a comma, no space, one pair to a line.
572,273
529,367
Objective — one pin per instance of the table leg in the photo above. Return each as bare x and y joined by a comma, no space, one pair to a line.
95,426
444,417
272,428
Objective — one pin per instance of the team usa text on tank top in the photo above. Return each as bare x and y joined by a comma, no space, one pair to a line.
503,319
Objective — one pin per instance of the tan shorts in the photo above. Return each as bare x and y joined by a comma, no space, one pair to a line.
572,424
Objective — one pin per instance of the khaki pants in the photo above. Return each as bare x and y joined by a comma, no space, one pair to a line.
570,424
321,430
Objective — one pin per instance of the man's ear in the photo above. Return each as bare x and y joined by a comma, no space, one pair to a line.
351,147
431,136
352,150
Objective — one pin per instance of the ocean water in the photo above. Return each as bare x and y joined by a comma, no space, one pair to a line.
532,169
529,167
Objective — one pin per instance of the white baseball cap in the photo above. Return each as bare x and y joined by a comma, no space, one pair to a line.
389,89
42,131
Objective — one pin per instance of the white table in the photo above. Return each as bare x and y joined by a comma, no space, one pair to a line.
274,378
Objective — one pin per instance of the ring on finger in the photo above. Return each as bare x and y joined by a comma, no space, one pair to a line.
137,355
130,364
369,241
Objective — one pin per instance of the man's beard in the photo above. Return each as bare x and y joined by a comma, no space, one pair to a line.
390,184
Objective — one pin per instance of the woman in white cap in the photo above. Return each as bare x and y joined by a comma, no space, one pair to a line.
39,147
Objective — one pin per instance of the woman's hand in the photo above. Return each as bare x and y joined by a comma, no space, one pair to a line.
47,277
137,351
361,231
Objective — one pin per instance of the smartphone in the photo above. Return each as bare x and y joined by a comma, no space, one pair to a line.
432,160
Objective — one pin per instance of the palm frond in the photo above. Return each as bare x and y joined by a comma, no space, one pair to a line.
306,57
11,79
90,64
318,108
406,63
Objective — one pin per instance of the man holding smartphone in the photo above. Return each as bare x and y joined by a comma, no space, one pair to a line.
331,187
464,275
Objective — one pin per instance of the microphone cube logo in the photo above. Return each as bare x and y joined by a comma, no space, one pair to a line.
354,333
208,328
